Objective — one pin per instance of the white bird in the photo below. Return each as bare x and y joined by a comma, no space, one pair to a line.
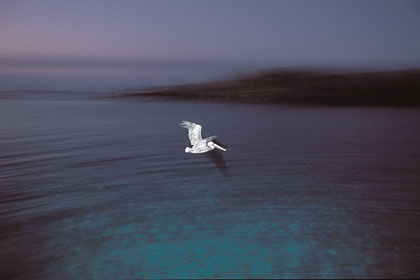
199,145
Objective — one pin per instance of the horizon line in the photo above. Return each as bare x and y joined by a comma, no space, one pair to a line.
69,61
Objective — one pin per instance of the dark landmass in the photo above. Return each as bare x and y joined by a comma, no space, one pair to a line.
390,88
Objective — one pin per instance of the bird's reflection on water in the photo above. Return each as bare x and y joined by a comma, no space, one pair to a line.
217,158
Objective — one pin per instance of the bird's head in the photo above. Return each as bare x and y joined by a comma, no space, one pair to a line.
213,145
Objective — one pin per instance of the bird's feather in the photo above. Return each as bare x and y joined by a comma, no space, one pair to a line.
194,131
208,139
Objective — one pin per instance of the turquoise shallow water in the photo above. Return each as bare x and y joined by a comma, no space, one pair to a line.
102,189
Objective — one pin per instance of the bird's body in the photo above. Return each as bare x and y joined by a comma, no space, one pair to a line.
199,145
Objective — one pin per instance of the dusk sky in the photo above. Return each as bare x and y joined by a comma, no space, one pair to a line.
381,34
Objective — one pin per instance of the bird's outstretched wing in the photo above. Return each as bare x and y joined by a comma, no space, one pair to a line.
208,139
194,131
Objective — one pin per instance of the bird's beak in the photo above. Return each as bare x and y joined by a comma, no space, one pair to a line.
220,148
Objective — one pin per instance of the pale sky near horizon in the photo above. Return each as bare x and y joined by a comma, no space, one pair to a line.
285,32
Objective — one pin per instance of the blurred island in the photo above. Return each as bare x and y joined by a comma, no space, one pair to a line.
390,88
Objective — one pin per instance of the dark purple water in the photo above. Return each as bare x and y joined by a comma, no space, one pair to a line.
102,189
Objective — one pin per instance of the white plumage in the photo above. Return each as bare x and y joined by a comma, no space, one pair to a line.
199,145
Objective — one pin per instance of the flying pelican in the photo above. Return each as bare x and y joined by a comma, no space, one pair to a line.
199,145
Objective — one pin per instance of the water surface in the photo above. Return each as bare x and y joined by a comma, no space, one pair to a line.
102,189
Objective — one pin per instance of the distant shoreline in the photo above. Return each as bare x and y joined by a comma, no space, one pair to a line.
385,88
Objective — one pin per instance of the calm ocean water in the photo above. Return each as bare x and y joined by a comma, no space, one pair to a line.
102,189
